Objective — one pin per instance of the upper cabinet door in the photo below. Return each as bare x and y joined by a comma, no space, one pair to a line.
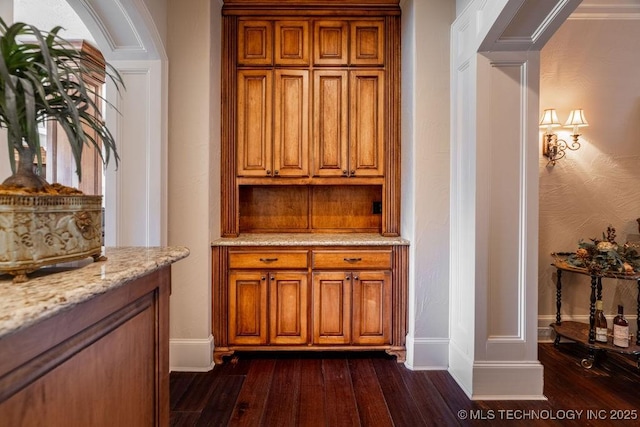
254,124
367,43
330,42
255,43
291,128
366,123
330,123
292,43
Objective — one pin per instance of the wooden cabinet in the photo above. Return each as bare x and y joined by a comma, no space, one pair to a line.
310,144
288,311
101,362
348,128
330,43
367,43
371,307
291,125
331,308
247,307
255,111
255,42
345,42
267,307
267,301
310,97
292,42
273,136
309,298
59,164
351,307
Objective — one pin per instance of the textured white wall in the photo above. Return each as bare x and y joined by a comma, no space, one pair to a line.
591,64
425,176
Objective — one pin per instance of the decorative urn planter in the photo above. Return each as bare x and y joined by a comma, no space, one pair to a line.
39,230
47,80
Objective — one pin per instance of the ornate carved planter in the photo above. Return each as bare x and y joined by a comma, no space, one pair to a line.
39,230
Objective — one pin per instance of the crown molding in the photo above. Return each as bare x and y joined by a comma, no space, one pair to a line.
596,11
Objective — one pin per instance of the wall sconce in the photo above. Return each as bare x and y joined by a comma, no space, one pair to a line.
552,147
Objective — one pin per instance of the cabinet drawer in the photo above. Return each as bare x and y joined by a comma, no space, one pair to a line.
268,259
355,259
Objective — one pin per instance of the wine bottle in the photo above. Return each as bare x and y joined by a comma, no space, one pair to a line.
620,329
600,323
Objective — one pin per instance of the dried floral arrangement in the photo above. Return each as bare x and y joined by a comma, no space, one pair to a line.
606,255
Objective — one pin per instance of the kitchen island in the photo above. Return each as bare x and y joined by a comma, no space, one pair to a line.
87,343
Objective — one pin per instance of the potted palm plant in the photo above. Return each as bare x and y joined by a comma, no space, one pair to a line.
41,79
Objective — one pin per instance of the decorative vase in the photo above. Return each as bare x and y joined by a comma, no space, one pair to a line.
38,230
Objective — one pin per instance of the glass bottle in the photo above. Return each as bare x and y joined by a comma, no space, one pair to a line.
600,323
620,329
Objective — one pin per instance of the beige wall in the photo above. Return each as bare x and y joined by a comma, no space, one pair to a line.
191,140
590,64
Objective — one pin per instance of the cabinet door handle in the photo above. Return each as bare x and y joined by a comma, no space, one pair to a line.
352,259
268,259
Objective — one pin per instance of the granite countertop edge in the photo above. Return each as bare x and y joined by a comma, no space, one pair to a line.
311,239
52,290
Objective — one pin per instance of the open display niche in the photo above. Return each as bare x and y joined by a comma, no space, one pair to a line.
312,208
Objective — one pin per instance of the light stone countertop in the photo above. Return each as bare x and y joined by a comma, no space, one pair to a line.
310,239
51,290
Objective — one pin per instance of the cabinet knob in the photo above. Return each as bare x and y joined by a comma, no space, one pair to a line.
263,278
353,171
272,277
347,276
268,171
355,277
276,172
344,172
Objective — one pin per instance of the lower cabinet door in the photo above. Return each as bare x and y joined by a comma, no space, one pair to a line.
248,307
288,308
331,312
371,307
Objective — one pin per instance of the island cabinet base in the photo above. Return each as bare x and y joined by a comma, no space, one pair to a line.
309,298
103,362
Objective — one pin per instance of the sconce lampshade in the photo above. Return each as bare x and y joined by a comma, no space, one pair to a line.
576,119
550,118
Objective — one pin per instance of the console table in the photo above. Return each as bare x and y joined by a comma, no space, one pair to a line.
585,333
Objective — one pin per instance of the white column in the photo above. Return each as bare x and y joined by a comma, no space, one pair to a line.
494,210
506,239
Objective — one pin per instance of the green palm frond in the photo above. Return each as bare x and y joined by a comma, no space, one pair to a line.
41,78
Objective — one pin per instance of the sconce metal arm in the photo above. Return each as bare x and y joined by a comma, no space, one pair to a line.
555,149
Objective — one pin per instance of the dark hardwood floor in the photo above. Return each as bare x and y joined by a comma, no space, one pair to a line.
371,389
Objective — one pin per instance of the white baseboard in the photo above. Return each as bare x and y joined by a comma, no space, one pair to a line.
191,355
427,353
508,381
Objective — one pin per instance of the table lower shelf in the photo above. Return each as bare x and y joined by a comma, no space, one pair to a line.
579,332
